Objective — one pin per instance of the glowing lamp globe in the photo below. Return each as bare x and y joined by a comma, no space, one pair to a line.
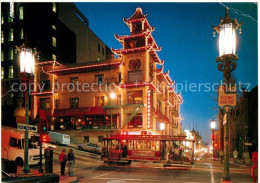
227,39
162,126
112,95
212,124
27,61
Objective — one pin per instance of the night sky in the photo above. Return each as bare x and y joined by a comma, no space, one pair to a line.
189,50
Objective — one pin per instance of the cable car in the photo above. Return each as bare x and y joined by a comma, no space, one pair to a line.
123,149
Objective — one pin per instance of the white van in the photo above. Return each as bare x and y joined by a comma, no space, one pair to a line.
12,146
59,138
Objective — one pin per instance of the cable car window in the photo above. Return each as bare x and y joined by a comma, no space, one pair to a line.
131,145
155,146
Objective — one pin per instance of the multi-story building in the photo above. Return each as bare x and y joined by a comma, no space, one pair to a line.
59,31
128,93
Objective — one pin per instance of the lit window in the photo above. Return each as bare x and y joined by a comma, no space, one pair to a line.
2,55
11,35
45,103
11,53
11,72
2,18
74,102
53,57
54,27
2,72
2,37
54,41
21,33
54,7
20,12
134,76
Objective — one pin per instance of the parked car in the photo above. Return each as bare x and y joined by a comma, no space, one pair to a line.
89,147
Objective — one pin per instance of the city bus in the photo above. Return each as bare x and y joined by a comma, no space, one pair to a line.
165,149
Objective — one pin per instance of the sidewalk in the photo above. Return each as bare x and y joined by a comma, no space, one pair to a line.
63,179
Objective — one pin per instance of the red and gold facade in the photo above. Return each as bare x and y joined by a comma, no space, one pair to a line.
145,98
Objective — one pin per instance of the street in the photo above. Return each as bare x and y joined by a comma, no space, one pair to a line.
89,168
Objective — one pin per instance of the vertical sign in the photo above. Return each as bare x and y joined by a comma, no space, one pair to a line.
149,108
12,9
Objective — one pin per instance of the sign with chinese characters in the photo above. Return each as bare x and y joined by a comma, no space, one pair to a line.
226,96
149,108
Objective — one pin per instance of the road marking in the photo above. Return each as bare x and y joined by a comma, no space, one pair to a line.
105,174
212,174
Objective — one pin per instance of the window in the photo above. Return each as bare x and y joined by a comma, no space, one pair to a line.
98,47
136,122
21,13
54,41
134,76
11,53
13,142
74,102
11,72
21,33
2,72
86,139
54,8
100,138
46,85
99,101
2,37
45,103
11,35
2,55
99,78
135,97
57,104
53,56
2,18
103,51
54,27
73,83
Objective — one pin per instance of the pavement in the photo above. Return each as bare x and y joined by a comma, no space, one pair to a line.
63,179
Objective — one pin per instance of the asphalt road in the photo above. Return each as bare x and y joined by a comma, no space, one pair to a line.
89,168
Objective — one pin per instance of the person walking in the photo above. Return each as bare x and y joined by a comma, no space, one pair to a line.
62,158
221,154
71,161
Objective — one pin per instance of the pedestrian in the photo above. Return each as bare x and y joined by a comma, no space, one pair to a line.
71,161
124,151
235,153
221,154
62,158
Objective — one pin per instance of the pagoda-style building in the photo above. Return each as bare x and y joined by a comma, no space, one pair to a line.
130,94
143,83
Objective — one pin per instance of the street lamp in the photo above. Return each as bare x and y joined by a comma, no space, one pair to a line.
227,57
162,127
212,126
27,64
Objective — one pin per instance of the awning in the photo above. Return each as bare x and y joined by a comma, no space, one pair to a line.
79,111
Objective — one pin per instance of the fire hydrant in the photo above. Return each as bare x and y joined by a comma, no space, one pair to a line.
254,168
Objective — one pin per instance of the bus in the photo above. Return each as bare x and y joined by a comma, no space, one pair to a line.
165,149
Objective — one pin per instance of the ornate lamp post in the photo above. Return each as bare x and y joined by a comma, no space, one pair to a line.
213,127
27,64
226,64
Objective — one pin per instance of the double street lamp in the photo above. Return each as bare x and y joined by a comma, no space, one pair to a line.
27,64
226,64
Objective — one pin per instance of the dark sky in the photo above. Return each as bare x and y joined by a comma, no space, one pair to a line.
189,50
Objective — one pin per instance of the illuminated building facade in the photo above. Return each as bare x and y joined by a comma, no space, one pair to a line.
144,99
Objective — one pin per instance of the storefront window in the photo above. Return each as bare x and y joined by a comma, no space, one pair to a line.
135,97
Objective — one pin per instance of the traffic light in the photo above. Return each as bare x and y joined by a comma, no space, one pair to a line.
43,126
44,138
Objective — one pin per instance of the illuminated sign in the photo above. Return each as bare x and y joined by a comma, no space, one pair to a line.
226,96
149,108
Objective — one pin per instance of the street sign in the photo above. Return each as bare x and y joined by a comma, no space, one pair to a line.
24,127
227,96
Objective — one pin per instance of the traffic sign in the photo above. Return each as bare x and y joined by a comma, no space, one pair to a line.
226,96
24,127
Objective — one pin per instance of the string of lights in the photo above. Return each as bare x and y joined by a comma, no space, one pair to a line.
238,12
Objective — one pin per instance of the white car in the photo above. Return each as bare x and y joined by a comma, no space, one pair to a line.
90,147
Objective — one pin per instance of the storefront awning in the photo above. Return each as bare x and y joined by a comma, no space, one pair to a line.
79,111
